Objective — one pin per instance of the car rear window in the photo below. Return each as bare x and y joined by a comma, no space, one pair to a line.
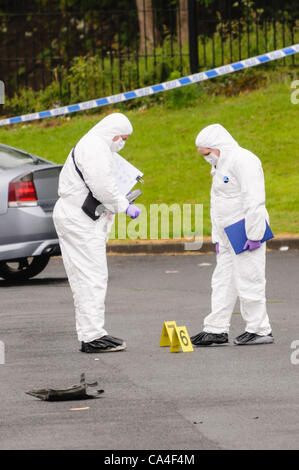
10,158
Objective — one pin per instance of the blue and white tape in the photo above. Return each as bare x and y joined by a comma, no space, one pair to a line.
151,90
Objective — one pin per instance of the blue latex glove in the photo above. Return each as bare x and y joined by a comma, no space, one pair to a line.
133,211
251,245
217,248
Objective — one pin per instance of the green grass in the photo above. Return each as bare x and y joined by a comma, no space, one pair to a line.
162,146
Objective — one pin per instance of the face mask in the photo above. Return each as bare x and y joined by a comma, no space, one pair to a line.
118,145
212,159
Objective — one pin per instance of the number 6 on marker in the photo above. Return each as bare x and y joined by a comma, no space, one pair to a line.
184,339
180,340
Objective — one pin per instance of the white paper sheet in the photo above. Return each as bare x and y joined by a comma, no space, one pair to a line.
126,174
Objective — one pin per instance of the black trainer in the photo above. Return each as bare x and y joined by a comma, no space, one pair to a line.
252,338
207,339
102,345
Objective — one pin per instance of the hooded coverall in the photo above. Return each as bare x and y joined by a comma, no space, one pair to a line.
237,192
83,240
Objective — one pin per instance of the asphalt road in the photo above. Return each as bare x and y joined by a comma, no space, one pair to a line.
225,397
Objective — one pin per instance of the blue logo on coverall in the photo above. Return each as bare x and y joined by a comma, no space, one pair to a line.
225,179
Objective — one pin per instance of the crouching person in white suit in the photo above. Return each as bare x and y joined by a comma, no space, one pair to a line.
237,193
82,239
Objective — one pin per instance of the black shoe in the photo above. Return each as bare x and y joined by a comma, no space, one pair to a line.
207,339
102,345
252,338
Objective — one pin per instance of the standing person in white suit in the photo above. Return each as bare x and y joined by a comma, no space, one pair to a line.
238,192
82,239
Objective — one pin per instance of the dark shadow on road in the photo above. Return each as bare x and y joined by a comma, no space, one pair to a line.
35,282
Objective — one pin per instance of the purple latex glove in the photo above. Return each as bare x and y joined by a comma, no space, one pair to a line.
251,245
133,211
217,248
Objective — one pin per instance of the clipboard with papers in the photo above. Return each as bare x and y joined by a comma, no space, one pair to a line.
127,175
237,235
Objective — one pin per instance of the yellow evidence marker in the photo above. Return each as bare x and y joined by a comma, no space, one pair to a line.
181,339
167,333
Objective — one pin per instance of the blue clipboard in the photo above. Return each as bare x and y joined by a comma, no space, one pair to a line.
237,235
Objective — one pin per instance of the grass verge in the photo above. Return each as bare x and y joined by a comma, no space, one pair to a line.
162,146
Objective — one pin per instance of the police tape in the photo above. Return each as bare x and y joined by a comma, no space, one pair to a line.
160,87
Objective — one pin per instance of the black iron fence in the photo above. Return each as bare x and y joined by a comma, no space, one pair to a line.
99,51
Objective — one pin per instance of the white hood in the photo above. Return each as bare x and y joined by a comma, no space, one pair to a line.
216,136
112,125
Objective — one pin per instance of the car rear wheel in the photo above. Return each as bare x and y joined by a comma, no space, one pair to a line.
24,268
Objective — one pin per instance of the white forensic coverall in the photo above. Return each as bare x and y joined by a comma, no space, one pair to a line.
83,240
237,192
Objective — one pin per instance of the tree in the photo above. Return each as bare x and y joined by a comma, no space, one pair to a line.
183,32
147,27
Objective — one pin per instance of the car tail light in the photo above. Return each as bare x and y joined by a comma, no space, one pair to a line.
21,192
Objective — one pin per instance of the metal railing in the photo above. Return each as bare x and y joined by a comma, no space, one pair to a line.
45,46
